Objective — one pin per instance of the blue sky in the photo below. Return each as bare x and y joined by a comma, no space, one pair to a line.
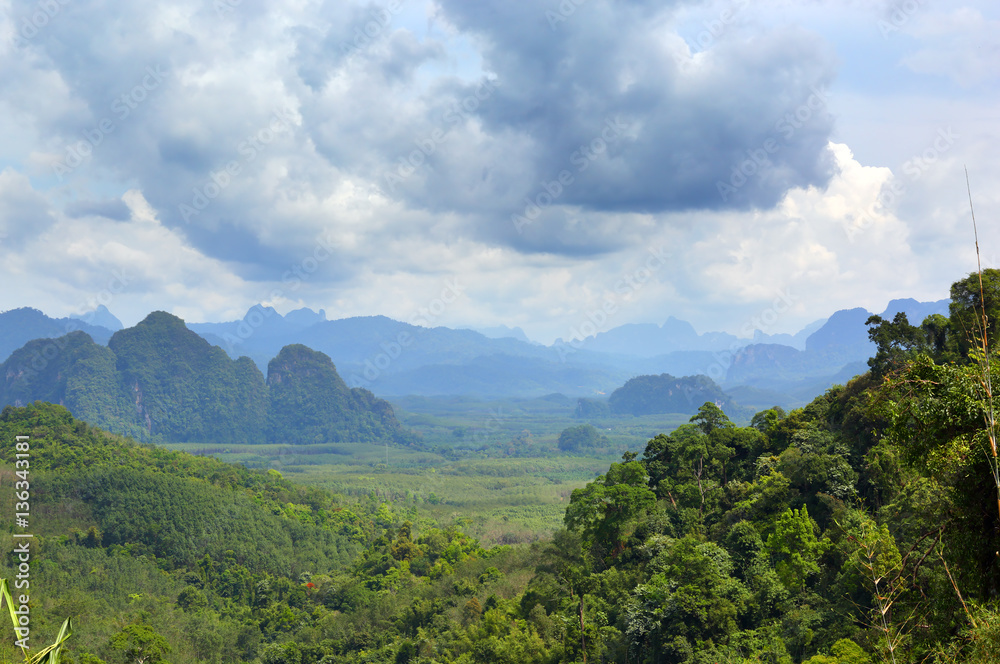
533,157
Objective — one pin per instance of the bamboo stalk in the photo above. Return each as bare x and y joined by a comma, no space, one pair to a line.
957,591
984,363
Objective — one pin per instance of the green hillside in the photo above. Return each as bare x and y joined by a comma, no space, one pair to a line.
861,528
186,389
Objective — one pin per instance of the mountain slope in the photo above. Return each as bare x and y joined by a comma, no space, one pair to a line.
310,403
72,371
185,389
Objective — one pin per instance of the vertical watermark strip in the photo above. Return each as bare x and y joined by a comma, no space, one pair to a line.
22,551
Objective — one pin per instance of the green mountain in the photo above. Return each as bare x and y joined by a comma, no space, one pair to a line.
185,389
651,395
311,403
161,381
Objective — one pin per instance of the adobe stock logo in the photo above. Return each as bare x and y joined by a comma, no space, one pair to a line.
597,320
373,29
581,158
758,159
202,195
45,12
122,107
763,321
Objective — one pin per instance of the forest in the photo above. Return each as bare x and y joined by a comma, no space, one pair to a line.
862,527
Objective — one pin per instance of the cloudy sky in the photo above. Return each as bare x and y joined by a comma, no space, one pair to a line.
496,162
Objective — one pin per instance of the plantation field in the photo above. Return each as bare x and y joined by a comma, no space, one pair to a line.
493,467
470,423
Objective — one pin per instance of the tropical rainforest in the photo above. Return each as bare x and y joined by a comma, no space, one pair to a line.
863,527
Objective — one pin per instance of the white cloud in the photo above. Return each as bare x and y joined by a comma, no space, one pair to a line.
961,44
351,119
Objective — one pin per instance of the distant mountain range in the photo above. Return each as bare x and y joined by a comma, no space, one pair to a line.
391,358
651,340
19,326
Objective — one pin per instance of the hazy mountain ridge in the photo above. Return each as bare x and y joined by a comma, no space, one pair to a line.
839,343
393,358
19,326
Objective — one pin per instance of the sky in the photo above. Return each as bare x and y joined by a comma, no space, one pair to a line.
743,164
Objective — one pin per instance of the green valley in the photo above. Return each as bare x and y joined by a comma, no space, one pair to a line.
859,528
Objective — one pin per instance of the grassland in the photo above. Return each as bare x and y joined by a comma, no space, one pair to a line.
493,467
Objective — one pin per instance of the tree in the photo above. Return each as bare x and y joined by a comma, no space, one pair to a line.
688,467
766,420
880,564
794,546
939,337
968,307
894,340
710,417
139,643
605,511
843,651
581,437
690,598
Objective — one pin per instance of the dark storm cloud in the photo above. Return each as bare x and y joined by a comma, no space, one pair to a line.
591,119
677,134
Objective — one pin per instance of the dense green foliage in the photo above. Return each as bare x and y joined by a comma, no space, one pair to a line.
160,381
581,438
169,541
862,527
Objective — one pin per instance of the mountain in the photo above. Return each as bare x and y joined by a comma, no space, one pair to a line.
915,311
311,403
833,353
376,343
844,334
649,339
19,326
100,317
654,395
797,340
75,372
393,358
771,360
185,389
499,375
674,336
160,380
504,332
